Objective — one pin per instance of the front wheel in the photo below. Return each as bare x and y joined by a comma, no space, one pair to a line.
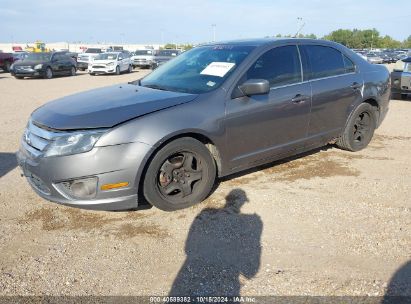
359,129
73,71
7,67
117,70
180,175
130,69
49,73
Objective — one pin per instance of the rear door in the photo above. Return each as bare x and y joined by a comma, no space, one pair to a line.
262,126
336,85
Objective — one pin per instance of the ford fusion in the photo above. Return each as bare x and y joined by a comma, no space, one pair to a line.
212,111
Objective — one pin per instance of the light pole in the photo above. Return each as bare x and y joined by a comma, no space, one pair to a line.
299,19
213,26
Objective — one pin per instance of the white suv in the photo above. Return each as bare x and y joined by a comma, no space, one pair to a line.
111,63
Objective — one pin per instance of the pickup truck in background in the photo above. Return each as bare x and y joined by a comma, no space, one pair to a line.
163,56
87,57
143,58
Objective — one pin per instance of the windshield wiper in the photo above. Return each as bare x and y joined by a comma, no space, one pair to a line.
156,87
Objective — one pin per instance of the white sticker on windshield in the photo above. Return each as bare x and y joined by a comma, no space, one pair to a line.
218,69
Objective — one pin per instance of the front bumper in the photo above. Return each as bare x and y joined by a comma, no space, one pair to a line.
400,82
28,73
101,70
82,65
110,164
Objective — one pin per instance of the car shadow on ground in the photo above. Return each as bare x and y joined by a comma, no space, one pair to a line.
8,162
222,246
399,288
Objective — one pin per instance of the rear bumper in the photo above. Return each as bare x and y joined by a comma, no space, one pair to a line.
111,164
400,82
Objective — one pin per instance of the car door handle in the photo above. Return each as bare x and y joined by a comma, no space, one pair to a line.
356,86
299,98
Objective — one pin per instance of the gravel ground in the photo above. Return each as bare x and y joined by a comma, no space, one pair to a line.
328,222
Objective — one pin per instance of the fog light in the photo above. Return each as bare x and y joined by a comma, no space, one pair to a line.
80,188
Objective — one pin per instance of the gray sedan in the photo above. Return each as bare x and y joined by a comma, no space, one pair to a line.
210,112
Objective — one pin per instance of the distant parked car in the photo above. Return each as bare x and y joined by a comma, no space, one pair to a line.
6,60
401,79
111,63
143,58
87,57
374,58
46,65
71,54
163,56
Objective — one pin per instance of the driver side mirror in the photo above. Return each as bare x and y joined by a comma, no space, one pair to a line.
255,87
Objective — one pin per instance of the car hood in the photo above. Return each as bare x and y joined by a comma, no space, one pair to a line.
105,107
104,61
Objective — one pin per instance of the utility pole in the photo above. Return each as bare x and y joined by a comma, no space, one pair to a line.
213,26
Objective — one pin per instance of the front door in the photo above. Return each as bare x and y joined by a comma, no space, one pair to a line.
262,126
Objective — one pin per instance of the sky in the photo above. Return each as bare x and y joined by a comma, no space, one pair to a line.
191,21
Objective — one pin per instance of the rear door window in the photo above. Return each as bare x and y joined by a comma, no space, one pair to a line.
280,66
349,65
323,61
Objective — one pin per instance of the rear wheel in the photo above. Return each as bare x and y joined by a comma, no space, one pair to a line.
180,175
359,129
404,96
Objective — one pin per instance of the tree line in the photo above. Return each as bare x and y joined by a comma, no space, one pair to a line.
361,39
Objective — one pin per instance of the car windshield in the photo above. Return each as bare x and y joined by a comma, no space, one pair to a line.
199,70
93,51
38,57
106,56
168,53
144,52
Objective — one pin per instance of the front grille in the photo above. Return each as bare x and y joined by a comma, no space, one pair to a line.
24,67
36,139
99,67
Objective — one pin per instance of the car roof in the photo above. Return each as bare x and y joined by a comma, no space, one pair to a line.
268,41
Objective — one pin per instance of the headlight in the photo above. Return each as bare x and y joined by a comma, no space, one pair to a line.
38,66
73,143
110,63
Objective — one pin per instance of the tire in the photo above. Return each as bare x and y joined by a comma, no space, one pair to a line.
48,74
7,67
73,71
180,175
404,96
18,77
92,74
359,129
130,69
117,70
80,69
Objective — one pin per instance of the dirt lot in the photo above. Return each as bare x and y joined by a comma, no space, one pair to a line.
327,223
